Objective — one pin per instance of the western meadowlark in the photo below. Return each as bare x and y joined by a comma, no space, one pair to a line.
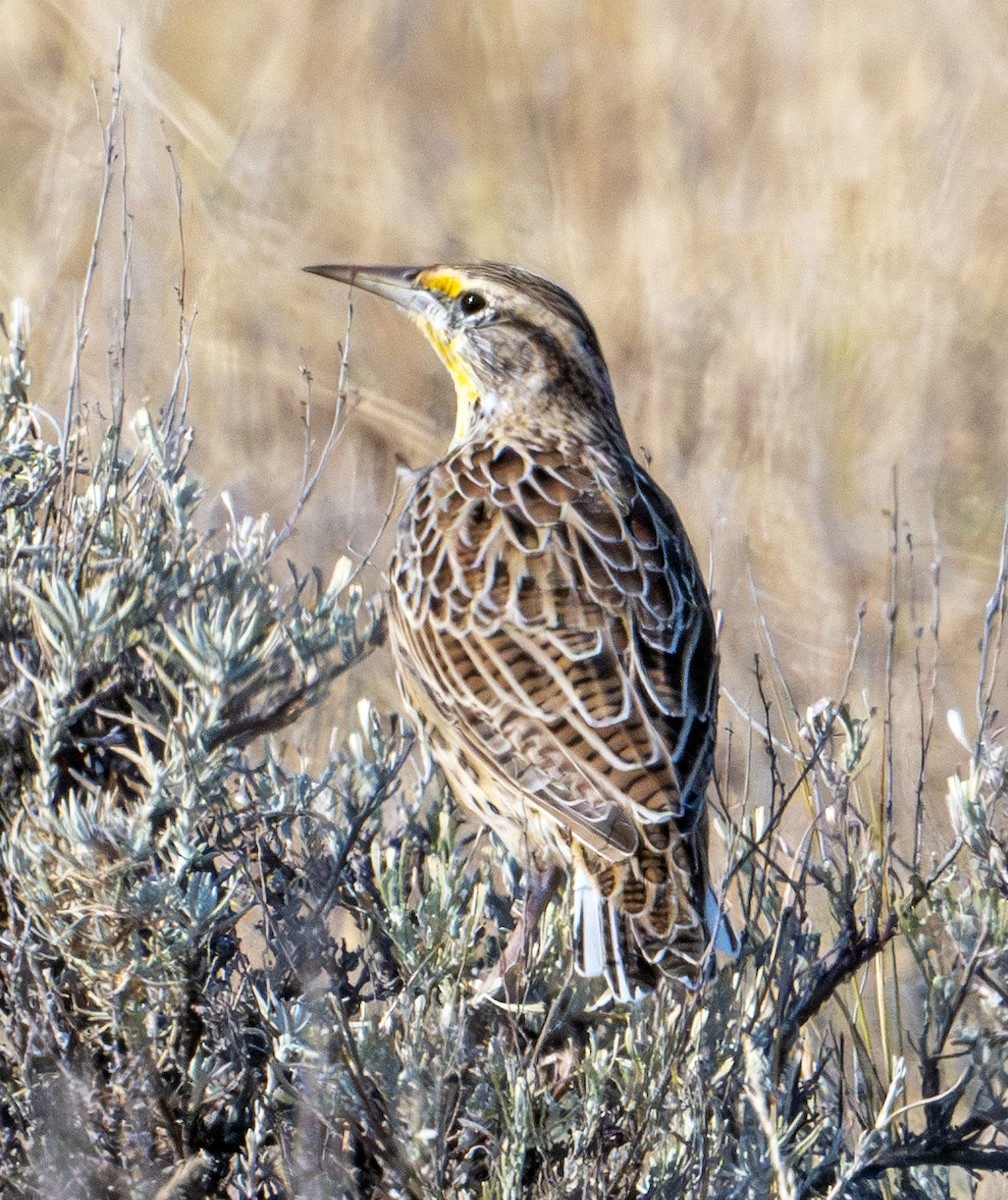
550,626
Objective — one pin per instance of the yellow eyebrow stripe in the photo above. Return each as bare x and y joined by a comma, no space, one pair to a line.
441,281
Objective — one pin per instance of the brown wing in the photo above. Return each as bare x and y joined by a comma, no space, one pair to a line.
551,608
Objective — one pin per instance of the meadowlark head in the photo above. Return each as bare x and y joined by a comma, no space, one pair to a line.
515,344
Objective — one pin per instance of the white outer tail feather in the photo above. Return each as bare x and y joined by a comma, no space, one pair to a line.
595,943
590,951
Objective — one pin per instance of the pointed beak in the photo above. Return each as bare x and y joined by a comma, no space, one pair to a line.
398,284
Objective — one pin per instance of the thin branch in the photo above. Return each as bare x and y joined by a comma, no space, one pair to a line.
125,300
71,419
926,711
311,477
886,797
174,416
990,646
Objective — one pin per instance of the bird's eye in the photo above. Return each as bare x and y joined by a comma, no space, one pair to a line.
470,303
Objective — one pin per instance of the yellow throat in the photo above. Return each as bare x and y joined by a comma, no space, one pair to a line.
466,388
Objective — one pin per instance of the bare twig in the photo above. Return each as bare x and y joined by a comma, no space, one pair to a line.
926,700
72,415
310,476
174,417
990,646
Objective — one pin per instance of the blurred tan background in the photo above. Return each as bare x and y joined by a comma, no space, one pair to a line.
788,221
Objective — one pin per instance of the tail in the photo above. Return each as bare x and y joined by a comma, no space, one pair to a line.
601,947
623,948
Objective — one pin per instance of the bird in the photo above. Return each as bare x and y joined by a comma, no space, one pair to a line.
551,630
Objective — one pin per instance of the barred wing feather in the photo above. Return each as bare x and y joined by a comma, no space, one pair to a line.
551,624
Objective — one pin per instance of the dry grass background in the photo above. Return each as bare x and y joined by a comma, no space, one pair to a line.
788,221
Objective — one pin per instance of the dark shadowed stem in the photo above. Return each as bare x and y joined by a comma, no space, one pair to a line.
376,1127
852,952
